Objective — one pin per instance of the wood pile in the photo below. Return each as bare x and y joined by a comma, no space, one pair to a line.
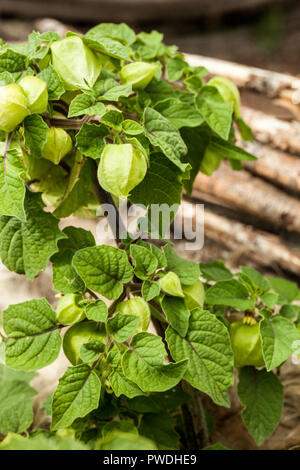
257,210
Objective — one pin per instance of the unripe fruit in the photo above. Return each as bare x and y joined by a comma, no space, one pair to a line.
13,107
246,344
57,146
122,167
171,285
194,295
36,92
68,310
138,74
79,334
228,91
76,64
139,307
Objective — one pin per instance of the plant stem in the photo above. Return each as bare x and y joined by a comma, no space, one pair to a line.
192,413
114,219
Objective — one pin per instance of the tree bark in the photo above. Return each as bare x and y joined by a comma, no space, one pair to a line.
263,248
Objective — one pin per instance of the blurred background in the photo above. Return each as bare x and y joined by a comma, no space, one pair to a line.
264,33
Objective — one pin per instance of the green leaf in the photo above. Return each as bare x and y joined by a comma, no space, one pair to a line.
77,394
287,290
85,104
160,428
35,134
131,127
207,346
123,386
35,240
124,441
231,293
292,312
215,271
245,130
16,402
103,269
269,299
33,340
177,313
97,311
11,244
54,84
216,113
158,402
279,338
12,188
113,118
187,271
76,194
90,352
150,289
144,261
161,185
164,135
230,151
175,68
64,277
143,363
7,374
6,78
196,140
179,114
11,61
122,425
116,92
107,46
77,238
121,327
257,278
120,32
261,394
40,442
90,139
217,446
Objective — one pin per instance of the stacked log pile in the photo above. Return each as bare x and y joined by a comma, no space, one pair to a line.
256,211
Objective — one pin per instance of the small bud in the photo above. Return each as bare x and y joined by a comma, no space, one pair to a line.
57,146
13,107
69,311
139,74
228,91
76,64
36,92
122,167
139,307
194,295
171,285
